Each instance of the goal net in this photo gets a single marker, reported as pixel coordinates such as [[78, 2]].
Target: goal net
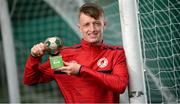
[[160, 37], [159, 20]]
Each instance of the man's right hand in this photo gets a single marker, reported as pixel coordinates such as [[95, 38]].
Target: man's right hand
[[38, 50]]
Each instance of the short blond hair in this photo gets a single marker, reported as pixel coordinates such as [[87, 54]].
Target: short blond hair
[[92, 10]]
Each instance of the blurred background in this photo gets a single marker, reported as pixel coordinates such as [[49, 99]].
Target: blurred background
[[35, 20]]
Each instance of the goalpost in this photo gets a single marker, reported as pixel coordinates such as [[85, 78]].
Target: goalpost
[[9, 51], [132, 46]]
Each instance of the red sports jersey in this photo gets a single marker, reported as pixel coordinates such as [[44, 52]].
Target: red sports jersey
[[102, 77]]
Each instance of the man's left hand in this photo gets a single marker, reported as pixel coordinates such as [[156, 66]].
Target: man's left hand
[[70, 68]]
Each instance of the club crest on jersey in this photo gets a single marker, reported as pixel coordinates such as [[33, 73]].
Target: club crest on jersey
[[102, 62]]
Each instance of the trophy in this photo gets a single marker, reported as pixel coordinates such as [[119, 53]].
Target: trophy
[[53, 45]]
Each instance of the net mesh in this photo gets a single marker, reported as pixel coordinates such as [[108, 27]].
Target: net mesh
[[35, 20], [160, 27]]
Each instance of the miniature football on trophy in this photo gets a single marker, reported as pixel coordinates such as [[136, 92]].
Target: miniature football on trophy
[[53, 45]]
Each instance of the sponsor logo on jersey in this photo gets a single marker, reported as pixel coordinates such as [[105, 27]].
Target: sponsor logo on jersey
[[102, 62]]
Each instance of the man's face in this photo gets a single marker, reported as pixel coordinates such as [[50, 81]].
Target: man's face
[[91, 29]]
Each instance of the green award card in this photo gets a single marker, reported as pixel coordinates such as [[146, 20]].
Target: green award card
[[56, 62]]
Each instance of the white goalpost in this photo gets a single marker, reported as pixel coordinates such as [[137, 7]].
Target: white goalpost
[[9, 52], [132, 46]]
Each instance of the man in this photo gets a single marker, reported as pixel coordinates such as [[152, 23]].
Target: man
[[93, 71]]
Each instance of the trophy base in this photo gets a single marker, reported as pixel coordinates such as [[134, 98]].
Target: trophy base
[[56, 62]]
